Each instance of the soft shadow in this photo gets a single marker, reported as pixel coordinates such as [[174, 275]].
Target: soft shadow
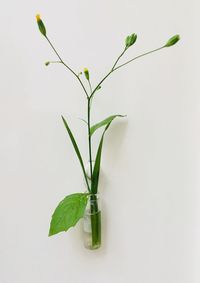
[[114, 140], [112, 146]]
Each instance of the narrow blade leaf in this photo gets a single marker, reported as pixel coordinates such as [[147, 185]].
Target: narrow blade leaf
[[68, 213], [76, 150], [103, 123], [96, 170]]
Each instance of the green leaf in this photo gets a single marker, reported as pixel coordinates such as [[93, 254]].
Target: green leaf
[[96, 170], [76, 150], [103, 123], [68, 213]]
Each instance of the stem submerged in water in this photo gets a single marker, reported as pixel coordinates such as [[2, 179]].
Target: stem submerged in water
[[95, 222], [95, 213], [92, 223]]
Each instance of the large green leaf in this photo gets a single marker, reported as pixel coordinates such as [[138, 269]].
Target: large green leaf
[[96, 170], [68, 213], [103, 123], [76, 150]]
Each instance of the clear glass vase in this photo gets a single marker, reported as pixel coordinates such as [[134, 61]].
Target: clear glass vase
[[92, 223]]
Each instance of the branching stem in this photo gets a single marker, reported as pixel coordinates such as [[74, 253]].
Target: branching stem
[[89, 135], [114, 68], [139, 56], [92, 92], [70, 69]]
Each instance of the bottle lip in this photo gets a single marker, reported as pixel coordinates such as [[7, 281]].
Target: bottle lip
[[92, 200], [90, 194], [95, 203], [96, 195]]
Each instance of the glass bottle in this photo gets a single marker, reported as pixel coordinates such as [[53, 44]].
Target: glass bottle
[[92, 223]]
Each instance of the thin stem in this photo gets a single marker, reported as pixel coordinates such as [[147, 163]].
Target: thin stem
[[90, 93], [112, 69], [89, 137], [116, 68], [77, 76], [119, 58], [61, 61], [83, 120], [100, 84], [90, 86], [139, 56], [55, 62]]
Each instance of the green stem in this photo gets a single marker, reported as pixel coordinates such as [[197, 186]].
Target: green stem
[[95, 216], [55, 62], [112, 70], [139, 56], [90, 86], [89, 136], [70, 69], [116, 68], [118, 58], [77, 76], [100, 83]]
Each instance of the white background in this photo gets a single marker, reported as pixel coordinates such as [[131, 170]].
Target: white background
[[149, 185]]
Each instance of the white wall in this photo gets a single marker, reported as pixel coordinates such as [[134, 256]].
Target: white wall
[[150, 160]]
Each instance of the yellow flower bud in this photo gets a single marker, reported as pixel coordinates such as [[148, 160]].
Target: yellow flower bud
[[41, 25], [38, 17]]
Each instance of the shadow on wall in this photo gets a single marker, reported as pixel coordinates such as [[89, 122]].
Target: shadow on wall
[[115, 140]]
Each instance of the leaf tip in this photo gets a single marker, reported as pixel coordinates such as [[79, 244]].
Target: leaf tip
[[50, 232], [63, 119]]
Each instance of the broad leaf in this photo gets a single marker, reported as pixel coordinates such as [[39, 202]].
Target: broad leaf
[[68, 213], [96, 170], [76, 149], [103, 123]]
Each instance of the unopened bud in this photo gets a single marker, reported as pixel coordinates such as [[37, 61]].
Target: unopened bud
[[86, 72], [130, 40], [173, 40], [41, 25]]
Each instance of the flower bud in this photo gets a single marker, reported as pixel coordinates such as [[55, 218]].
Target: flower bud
[[173, 40], [86, 72], [130, 40], [41, 25]]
